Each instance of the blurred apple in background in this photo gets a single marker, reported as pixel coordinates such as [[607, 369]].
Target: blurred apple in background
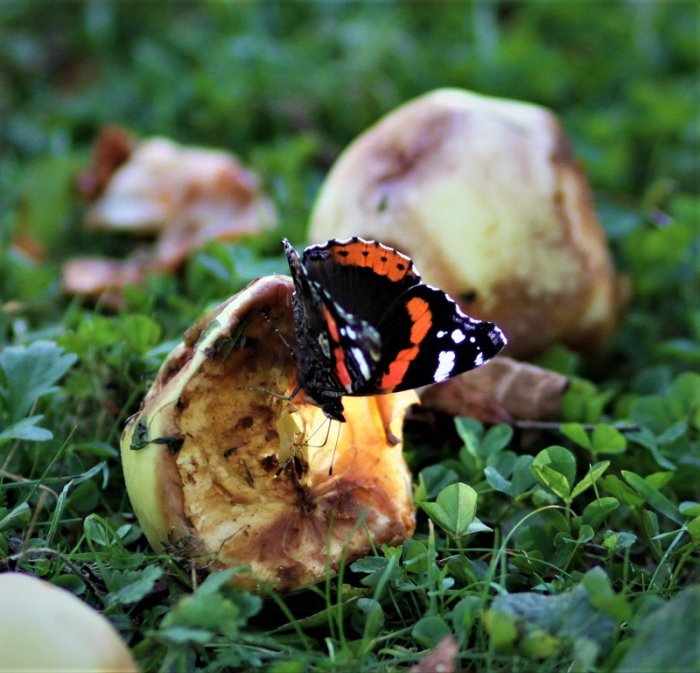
[[484, 195]]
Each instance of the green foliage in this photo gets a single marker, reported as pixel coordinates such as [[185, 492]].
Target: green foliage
[[454, 510], [208, 612], [665, 638], [28, 373], [575, 548], [583, 619]]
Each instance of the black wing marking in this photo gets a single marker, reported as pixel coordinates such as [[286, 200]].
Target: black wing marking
[[363, 277], [428, 339]]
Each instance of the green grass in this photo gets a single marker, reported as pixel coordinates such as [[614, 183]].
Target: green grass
[[576, 550]]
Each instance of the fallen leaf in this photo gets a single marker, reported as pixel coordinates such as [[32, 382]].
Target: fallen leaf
[[185, 196], [501, 391]]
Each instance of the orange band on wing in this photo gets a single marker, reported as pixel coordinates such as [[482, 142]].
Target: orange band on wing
[[382, 260], [398, 368], [331, 325], [422, 316], [340, 369]]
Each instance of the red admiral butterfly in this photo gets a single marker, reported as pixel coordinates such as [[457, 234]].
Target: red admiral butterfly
[[366, 325]]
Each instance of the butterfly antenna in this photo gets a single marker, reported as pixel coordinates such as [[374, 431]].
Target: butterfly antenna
[[325, 439]]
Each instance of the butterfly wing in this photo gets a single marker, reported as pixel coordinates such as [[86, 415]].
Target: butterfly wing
[[355, 346], [426, 339], [363, 277], [358, 282]]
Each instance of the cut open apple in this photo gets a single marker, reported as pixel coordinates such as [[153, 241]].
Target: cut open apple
[[220, 462]]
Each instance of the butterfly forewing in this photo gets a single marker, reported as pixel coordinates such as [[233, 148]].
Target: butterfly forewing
[[426, 339]]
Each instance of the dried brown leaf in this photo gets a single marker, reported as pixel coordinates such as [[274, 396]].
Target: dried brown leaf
[[111, 149], [185, 196], [501, 391]]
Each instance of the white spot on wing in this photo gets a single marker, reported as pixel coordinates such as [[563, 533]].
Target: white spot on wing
[[479, 359], [457, 336], [446, 363], [441, 334], [359, 357]]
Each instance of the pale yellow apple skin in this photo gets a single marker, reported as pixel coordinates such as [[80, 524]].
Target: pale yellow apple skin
[[45, 629], [485, 197], [226, 496]]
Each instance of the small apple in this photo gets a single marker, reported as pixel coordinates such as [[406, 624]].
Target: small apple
[[46, 628]]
